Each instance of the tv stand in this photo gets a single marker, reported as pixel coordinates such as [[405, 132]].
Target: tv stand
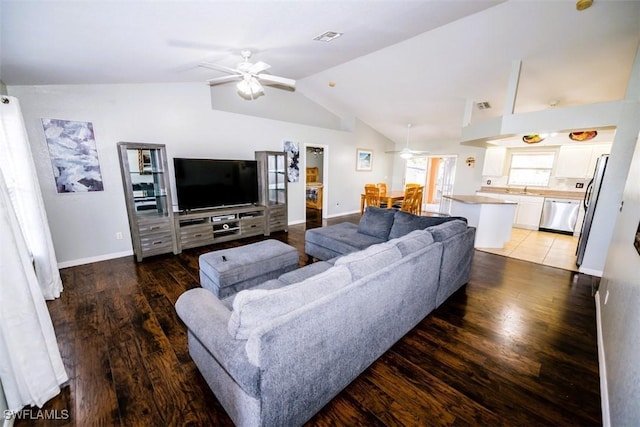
[[209, 226]]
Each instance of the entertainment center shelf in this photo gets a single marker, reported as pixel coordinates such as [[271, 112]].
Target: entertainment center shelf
[[251, 195], [205, 227]]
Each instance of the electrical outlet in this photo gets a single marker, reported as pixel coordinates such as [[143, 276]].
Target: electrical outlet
[[119, 235], [579, 184]]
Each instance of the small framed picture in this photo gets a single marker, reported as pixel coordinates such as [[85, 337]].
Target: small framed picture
[[364, 159]]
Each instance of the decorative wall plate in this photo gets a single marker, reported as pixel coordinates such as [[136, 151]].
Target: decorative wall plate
[[532, 139], [583, 135]]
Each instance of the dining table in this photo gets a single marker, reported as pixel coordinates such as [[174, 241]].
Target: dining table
[[391, 197]]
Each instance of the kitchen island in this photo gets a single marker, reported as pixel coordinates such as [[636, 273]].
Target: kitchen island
[[491, 217]]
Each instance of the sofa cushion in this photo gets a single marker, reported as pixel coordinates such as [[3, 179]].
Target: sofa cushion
[[342, 238], [404, 223], [254, 307], [372, 259], [376, 222], [443, 231], [412, 242]]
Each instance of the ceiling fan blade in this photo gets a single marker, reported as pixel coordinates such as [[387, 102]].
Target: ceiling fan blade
[[259, 67], [276, 80], [219, 67], [223, 79]]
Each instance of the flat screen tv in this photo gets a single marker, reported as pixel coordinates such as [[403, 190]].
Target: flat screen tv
[[213, 183]]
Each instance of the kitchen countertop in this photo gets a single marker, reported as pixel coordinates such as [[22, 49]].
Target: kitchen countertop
[[478, 200], [576, 195]]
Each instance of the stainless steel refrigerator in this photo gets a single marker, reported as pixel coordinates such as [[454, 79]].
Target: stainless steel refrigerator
[[590, 202]]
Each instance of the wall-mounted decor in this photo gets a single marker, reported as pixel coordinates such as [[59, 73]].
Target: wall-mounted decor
[[293, 160], [636, 241], [72, 149], [364, 159]]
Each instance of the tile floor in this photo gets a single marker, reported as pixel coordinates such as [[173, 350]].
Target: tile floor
[[552, 249]]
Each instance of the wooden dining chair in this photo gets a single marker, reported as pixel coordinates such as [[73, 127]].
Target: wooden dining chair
[[371, 196], [417, 201], [383, 193], [407, 202]]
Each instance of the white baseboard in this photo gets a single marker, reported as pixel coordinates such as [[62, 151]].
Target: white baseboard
[[343, 214], [98, 258], [602, 367]]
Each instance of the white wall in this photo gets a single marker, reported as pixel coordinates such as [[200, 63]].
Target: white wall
[[620, 315], [178, 115], [468, 179]]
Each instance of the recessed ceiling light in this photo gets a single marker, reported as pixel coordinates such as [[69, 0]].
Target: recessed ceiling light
[[327, 36]]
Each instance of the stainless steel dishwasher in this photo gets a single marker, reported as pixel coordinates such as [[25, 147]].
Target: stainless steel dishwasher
[[559, 215]]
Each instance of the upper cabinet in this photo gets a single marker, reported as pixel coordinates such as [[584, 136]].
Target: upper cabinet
[[148, 198], [494, 159], [579, 161]]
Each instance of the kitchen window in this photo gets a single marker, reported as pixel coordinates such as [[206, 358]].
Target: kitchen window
[[532, 169]]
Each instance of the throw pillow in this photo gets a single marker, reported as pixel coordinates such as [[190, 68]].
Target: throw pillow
[[412, 242], [255, 307], [443, 231], [405, 222], [376, 222], [367, 261]]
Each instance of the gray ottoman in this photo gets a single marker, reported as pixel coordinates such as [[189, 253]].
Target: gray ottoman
[[228, 271]]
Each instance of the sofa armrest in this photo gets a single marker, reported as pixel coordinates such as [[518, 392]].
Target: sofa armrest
[[207, 319]]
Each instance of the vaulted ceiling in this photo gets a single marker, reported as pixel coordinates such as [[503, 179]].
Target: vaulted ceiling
[[397, 62]]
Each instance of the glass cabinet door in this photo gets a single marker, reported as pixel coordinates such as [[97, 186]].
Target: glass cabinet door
[[276, 174], [148, 182]]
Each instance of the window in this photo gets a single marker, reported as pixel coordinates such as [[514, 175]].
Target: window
[[531, 169]]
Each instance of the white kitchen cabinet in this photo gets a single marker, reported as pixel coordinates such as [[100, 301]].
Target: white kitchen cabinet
[[529, 212], [494, 159], [579, 161], [596, 151], [573, 162]]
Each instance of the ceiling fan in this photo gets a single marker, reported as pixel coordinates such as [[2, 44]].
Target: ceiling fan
[[406, 152], [251, 76]]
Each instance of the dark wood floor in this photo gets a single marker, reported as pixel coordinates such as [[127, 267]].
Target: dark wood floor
[[515, 346]]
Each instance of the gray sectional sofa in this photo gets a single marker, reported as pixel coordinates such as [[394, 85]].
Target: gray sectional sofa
[[275, 354]]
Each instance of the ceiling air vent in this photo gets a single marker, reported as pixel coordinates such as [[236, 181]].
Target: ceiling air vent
[[483, 105], [327, 36]]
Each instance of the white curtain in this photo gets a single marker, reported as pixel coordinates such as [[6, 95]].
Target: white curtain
[[16, 163], [31, 368]]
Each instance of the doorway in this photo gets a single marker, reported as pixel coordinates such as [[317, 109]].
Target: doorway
[[437, 174], [316, 170]]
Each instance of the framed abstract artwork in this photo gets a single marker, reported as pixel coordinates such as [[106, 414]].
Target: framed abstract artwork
[[364, 159], [74, 157], [293, 160]]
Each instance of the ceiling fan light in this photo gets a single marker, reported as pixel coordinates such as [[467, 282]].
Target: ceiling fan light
[[405, 154], [249, 87]]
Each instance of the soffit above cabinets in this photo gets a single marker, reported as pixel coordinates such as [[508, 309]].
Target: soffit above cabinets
[[604, 136]]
